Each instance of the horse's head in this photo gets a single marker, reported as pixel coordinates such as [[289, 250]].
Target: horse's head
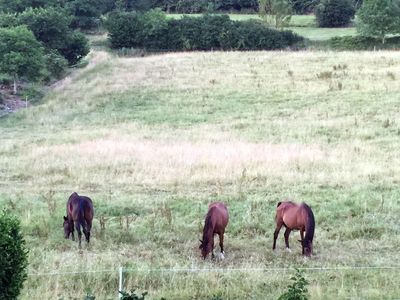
[[307, 247], [205, 248], [68, 226]]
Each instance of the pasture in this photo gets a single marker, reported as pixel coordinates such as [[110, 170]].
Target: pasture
[[152, 140]]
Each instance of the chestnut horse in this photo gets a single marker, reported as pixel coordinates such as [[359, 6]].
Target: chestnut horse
[[295, 216], [79, 213], [216, 220]]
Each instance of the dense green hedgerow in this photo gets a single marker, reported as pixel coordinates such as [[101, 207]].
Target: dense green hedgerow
[[153, 31], [363, 43]]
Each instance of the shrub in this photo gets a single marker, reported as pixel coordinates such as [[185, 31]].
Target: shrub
[[334, 13], [13, 258], [298, 289], [75, 48], [86, 13], [303, 6], [153, 31], [363, 43], [56, 65]]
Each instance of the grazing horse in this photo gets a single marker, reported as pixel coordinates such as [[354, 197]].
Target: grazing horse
[[295, 216], [216, 220], [79, 213]]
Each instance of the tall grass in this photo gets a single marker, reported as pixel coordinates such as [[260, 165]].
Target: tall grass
[[152, 140]]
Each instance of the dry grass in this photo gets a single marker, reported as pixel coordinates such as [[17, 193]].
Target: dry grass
[[154, 139]]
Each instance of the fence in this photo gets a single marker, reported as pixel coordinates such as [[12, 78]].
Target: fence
[[121, 271]]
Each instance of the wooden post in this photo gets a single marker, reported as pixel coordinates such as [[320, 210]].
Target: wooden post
[[121, 282]]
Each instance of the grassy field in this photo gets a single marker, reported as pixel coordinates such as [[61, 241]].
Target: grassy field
[[154, 139], [304, 25]]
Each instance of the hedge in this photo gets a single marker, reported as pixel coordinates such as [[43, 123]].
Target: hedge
[[153, 31], [363, 43]]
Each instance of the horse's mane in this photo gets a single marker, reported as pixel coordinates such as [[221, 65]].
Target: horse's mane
[[208, 226], [310, 224]]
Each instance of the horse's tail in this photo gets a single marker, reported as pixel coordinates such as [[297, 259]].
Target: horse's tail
[[310, 226]]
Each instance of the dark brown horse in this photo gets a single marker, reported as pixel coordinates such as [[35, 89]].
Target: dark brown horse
[[79, 213], [295, 216], [216, 220]]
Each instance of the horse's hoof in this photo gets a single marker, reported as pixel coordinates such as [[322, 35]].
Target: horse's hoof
[[221, 256], [289, 250]]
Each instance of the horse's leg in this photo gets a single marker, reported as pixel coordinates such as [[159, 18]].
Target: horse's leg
[[72, 231], [221, 242], [287, 232], [276, 233], [302, 239], [78, 229], [87, 228]]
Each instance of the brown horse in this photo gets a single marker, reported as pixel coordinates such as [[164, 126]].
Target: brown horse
[[295, 216], [79, 213], [216, 220]]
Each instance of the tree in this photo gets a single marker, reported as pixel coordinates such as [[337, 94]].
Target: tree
[[86, 13], [13, 258], [303, 6], [21, 53], [17, 6], [275, 12], [50, 25], [378, 18], [334, 13]]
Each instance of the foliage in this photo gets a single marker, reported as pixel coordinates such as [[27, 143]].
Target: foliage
[[17, 6], [363, 43], [8, 20], [50, 25], [75, 48], [275, 12], [154, 32], [22, 54], [298, 289], [56, 65], [378, 18], [303, 6], [334, 13], [13, 258], [132, 295], [86, 13]]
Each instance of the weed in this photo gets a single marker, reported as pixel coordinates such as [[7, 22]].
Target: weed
[[298, 289]]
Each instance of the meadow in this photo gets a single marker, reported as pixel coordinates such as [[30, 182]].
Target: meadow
[[152, 140]]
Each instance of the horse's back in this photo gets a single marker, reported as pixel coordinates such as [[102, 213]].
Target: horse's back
[[219, 212], [291, 214], [80, 206]]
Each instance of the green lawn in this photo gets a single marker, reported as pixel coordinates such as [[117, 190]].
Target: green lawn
[[152, 140]]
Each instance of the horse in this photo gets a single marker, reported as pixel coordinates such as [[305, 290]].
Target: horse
[[215, 223], [79, 213], [299, 217]]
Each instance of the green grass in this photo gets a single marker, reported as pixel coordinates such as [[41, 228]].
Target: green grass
[[304, 25], [152, 140]]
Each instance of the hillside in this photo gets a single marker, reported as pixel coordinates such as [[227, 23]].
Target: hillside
[[152, 140]]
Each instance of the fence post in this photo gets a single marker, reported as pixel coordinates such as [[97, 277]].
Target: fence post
[[121, 282]]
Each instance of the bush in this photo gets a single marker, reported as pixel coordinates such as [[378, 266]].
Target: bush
[[363, 43], [56, 65], [153, 31], [13, 258], [86, 13], [75, 48], [303, 6], [334, 13], [298, 289]]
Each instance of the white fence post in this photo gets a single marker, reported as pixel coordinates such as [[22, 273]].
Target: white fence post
[[121, 282]]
